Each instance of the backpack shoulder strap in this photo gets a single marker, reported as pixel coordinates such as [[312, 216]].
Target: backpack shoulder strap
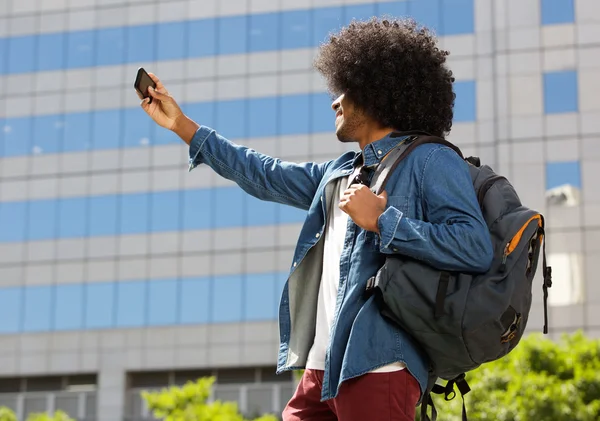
[[389, 164]]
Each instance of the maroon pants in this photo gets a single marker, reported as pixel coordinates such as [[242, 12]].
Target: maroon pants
[[371, 397]]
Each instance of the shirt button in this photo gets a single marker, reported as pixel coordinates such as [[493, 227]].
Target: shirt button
[[379, 152], [395, 249], [294, 264], [318, 235]]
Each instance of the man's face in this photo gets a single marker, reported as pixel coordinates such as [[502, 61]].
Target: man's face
[[348, 119]]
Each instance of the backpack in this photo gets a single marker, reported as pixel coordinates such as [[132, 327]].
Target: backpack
[[463, 320]]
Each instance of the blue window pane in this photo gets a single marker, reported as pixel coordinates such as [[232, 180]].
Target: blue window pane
[[458, 17], [281, 281], [229, 207], [3, 53], [198, 209], [264, 32], [202, 38], [171, 40], [131, 300], [77, 132], [227, 299], [323, 117], [290, 215], [295, 29], [359, 12], [162, 302], [165, 211], [325, 21], [103, 215], [162, 136], [110, 46], [50, 52], [263, 114], [37, 314], [138, 39], [13, 221], [557, 11], [134, 213], [138, 127], [195, 300], [425, 12], [21, 54], [259, 296], [201, 110], [294, 114], [17, 136], [560, 92], [80, 49], [11, 300], [231, 118], [47, 133], [559, 173], [42, 218], [465, 107], [72, 217], [68, 307], [106, 129], [232, 35], [260, 212], [99, 305], [392, 9]]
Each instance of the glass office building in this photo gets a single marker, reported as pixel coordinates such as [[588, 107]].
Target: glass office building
[[120, 271]]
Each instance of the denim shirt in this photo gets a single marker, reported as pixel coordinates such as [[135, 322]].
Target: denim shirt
[[432, 214]]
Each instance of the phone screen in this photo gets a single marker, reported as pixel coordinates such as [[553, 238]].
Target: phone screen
[[142, 82]]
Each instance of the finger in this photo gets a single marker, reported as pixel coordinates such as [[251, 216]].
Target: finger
[[139, 95], [384, 195], [145, 103], [159, 84], [160, 96]]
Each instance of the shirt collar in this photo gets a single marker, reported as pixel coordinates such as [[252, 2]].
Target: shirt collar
[[374, 152]]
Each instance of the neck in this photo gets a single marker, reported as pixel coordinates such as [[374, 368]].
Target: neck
[[372, 134]]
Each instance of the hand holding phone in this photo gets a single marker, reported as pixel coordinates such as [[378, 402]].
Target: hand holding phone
[[142, 82], [164, 110]]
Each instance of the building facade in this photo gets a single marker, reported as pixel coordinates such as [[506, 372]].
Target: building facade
[[120, 271]]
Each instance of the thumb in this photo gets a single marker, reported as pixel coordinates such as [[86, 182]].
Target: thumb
[[384, 196]]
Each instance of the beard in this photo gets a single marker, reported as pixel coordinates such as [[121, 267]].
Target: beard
[[348, 129]]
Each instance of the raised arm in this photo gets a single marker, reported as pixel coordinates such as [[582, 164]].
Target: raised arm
[[259, 175]]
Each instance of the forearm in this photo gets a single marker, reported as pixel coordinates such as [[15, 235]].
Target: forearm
[[185, 128], [261, 176]]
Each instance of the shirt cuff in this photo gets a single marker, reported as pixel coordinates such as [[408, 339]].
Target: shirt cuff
[[388, 223], [196, 146]]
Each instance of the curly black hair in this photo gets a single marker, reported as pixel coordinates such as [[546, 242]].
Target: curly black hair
[[393, 70]]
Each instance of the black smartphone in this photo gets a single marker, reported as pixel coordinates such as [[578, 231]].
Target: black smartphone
[[142, 82]]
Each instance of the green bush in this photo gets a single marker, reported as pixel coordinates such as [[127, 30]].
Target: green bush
[[189, 403], [7, 414], [539, 380]]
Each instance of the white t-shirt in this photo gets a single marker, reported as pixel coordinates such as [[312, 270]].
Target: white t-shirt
[[335, 234]]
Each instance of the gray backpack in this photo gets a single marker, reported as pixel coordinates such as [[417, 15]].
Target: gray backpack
[[462, 320]]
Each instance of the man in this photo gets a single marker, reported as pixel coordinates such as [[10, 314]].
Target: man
[[390, 77]]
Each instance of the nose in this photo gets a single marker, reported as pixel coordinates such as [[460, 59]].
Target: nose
[[336, 104]]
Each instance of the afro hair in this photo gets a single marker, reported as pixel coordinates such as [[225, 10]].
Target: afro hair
[[394, 71]]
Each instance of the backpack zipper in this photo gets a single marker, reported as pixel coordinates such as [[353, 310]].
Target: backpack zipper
[[504, 257], [512, 244]]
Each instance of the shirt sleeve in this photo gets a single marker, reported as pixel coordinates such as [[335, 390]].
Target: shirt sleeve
[[454, 235], [259, 175]]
